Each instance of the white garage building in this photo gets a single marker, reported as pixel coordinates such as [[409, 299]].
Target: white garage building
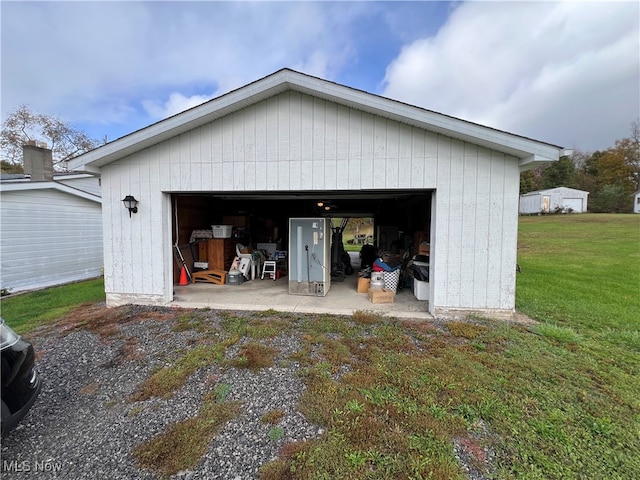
[[268, 151], [559, 199]]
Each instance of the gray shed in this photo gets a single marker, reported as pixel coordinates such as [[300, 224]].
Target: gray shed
[[559, 199]]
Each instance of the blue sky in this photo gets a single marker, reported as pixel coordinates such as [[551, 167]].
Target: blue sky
[[566, 73]]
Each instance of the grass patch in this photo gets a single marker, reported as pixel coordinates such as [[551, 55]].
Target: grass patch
[[193, 320], [28, 311], [183, 444], [555, 332], [167, 380], [233, 325], [366, 317], [276, 433], [580, 270], [272, 416], [254, 356], [466, 330]]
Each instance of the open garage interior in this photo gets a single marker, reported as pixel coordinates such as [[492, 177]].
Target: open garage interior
[[392, 224]]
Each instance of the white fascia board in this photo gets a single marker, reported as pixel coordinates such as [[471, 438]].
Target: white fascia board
[[89, 169], [16, 187], [533, 161]]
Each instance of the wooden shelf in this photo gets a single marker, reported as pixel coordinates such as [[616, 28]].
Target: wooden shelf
[[218, 252]]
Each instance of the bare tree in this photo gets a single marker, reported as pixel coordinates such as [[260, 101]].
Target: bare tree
[[23, 125], [634, 151]]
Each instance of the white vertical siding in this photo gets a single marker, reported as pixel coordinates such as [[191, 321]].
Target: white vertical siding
[[509, 233], [137, 247], [531, 203], [481, 210], [367, 169], [456, 218], [295, 142], [471, 257], [48, 237], [474, 250]]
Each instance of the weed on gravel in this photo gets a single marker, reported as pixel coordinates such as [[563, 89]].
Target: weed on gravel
[[183, 444]]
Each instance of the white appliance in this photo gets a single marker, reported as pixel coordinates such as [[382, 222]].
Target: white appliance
[[309, 256]]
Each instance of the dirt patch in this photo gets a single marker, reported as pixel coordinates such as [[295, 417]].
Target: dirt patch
[[105, 321]]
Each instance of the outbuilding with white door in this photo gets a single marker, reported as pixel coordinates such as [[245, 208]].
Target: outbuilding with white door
[[554, 200]]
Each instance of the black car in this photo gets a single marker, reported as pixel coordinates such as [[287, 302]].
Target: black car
[[20, 380]]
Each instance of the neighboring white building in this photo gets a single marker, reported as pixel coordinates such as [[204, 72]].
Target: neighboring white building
[[271, 149], [50, 232], [636, 202], [568, 200]]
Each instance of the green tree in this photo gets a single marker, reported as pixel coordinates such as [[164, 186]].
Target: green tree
[[559, 174], [531, 180], [614, 168], [632, 147], [6, 167], [611, 199], [614, 181]]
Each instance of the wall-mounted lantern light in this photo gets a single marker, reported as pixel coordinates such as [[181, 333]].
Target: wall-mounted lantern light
[[131, 204]]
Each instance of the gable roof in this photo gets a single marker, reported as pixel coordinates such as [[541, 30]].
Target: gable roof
[[24, 186], [529, 152]]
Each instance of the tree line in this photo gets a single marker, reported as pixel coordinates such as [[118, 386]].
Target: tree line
[[611, 176]]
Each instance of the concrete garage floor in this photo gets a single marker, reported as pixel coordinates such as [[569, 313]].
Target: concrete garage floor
[[256, 295]]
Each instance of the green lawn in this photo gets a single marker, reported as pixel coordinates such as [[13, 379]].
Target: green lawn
[[581, 270], [27, 311]]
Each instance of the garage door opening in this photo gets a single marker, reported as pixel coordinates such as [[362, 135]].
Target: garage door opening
[[397, 223]]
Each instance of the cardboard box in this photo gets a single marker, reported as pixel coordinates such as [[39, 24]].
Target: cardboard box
[[381, 295], [363, 284]]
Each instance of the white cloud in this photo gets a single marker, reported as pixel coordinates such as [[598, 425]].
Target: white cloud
[[560, 72], [81, 56], [175, 104]]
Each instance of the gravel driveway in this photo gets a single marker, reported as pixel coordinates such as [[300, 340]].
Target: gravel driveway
[[84, 424]]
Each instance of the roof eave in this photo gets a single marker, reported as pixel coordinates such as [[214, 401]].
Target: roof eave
[[50, 185]]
